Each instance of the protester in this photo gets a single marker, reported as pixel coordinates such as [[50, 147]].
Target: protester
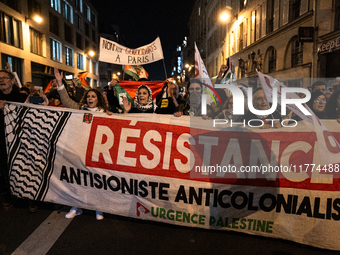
[[25, 90], [319, 86], [54, 98], [333, 106], [317, 104], [30, 86], [227, 111], [166, 101], [8, 92], [260, 103], [92, 100], [192, 99], [143, 102], [112, 96]]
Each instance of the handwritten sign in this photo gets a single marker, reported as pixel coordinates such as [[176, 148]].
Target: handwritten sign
[[112, 52]]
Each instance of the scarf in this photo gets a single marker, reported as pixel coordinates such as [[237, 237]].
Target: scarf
[[94, 109], [144, 107]]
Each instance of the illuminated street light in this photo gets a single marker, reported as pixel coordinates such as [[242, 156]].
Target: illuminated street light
[[37, 19], [118, 73], [224, 16], [91, 53]]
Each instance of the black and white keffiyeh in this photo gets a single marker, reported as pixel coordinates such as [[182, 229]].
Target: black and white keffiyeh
[[144, 107]]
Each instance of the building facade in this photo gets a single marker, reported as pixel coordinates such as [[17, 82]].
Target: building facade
[[264, 35], [65, 39], [106, 70]]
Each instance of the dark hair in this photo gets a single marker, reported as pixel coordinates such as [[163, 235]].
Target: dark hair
[[10, 75], [101, 101], [310, 103], [191, 81], [257, 89], [317, 83], [332, 105], [143, 87], [27, 90]]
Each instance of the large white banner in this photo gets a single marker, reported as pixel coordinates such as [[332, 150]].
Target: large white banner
[[260, 182], [112, 52]]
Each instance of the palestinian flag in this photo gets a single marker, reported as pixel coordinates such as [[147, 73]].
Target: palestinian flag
[[82, 78], [48, 87], [132, 86], [137, 72], [227, 73]]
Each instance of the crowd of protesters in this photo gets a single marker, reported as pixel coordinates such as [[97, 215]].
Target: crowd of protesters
[[113, 99]]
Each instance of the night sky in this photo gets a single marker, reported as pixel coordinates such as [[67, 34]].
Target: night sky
[[142, 21]]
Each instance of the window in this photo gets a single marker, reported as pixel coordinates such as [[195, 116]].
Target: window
[[270, 16], [78, 21], [34, 8], [87, 12], [36, 42], [68, 56], [55, 4], [14, 4], [271, 60], [15, 63], [10, 32], [87, 29], [68, 11], [87, 44], [55, 50], [94, 37], [240, 47], [252, 28], [79, 41], [87, 68], [294, 9], [95, 68], [54, 24], [295, 83], [79, 5], [93, 19], [242, 4], [68, 33], [297, 53], [80, 63]]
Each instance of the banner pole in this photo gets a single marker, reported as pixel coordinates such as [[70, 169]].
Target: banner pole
[[166, 75]]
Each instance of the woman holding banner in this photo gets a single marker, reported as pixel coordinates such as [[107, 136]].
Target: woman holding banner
[[92, 100]]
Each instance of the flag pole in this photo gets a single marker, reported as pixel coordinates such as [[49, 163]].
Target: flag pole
[[166, 75]]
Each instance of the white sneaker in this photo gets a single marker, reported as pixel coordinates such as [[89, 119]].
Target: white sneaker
[[99, 215], [73, 212]]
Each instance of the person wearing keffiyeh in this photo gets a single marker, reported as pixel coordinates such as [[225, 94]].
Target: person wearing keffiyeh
[[143, 102]]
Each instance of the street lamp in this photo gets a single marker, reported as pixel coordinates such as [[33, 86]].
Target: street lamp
[[91, 53], [36, 18]]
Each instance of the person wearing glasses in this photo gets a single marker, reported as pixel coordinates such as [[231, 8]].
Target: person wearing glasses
[[317, 104], [8, 92], [260, 103]]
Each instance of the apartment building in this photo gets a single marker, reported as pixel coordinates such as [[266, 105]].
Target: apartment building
[[291, 39], [66, 37]]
